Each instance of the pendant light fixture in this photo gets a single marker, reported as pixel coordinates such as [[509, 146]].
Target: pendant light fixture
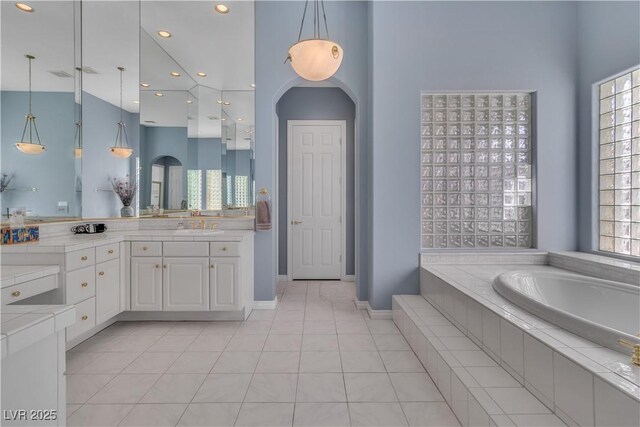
[[78, 141], [30, 147], [318, 58], [121, 148]]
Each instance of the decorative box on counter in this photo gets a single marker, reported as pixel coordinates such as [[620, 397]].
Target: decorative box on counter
[[26, 234]]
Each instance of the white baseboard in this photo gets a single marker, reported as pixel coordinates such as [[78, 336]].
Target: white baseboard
[[379, 314], [361, 305], [265, 305], [282, 278], [349, 278]]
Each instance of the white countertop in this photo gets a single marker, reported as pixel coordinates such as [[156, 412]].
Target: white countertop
[[74, 242], [15, 274], [23, 325]]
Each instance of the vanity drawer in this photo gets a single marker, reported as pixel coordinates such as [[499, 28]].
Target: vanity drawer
[[78, 259], [107, 252], [225, 249], [85, 318], [81, 284], [29, 289], [180, 249], [146, 248]]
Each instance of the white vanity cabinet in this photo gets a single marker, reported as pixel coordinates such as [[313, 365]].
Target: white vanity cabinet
[[107, 290], [225, 284], [185, 284], [146, 283]]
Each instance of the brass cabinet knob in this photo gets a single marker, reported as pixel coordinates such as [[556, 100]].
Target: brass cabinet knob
[[157, 265], [85, 317], [212, 266], [110, 251], [165, 266], [144, 248], [101, 273], [15, 293], [224, 248], [84, 258], [84, 285]]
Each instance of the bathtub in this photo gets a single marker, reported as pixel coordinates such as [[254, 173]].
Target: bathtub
[[599, 310]]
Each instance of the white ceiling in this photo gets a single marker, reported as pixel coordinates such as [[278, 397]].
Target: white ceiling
[[202, 40]]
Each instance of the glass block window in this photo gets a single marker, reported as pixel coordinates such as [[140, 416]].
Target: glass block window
[[619, 146], [242, 191], [229, 192], [476, 170], [194, 189], [214, 189]]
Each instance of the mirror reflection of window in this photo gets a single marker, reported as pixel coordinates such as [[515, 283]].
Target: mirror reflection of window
[[194, 189]]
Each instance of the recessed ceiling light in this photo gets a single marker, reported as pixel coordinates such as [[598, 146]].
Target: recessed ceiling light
[[164, 33], [219, 101], [189, 101], [240, 119], [24, 7], [226, 103], [136, 102], [222, 8], [223, 119], [145, 84], [253, 85], [201, 74], [175, 74], [159, 94]]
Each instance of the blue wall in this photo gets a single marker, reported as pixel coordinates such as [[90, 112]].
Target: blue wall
[[608, 43], [53, 172], [99, 119], [277, 25], [316, 104]]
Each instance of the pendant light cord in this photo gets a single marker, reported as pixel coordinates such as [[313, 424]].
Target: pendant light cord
[[30, 58], [121, 69], [316, 19], [304, 14]]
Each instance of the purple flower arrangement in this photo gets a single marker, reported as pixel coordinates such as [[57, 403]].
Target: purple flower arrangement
[[125, 188]]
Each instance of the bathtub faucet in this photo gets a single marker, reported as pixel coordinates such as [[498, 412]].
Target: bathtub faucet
[[635, 357]]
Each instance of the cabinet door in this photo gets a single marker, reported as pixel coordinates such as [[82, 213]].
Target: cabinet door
[[185, 284], [146, 283], [225, 284], [107, 290]]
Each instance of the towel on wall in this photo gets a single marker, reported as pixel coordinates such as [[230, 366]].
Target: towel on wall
[[263, 215]]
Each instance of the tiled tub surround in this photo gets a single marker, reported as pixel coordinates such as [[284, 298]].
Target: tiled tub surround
[[578, 380]]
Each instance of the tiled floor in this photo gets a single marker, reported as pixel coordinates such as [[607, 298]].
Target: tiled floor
[[314, 361]]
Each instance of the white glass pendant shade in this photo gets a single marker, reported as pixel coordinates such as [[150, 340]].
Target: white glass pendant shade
[[315, 59], [30, 148], [121, 152]]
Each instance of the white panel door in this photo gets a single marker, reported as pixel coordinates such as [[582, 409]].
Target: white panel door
[[185, 284], [315, 169], [107, 290], [175, 187], [146, 283]]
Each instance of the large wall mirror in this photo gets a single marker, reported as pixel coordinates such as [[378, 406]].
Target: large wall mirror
[[196, 108], [40, 57]]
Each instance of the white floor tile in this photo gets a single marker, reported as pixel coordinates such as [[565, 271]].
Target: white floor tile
[[320, 388], [362, 361], [236, 362], [154, 415], [429, 414], [207, 342], [320, 361], [265, 414], [391, 342], [194, 362], [281, 342], [81, 388], [357, 343], [415, 387], [152, 363], [246, 343], [99, 415], [223, 388], [210, 414], [319, 343], [278, 362], [516, 401], [369, 387], [109, 363], [376, 414], [321, 414], [401, 361], [272, 388], [177, 343], [125, 388], [174, 388]]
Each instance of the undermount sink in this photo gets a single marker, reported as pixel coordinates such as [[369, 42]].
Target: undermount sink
[[197, 232]]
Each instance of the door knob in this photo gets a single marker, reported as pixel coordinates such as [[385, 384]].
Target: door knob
[[296, 222]]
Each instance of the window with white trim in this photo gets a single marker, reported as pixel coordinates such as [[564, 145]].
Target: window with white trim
[[619, 148], [194, 189]]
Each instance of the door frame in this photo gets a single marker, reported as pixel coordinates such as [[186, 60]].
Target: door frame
[[343, 184]]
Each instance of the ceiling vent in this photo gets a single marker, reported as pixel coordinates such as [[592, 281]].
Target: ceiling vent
[[61, 74]]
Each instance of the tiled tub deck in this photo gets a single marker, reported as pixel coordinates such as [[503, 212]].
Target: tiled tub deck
[[496, 364]]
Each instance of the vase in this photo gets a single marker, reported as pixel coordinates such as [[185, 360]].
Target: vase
[[127, 211]]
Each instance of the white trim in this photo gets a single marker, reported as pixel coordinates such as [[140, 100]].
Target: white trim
[[349, 278], [343, 186], [361, 305], [282, 278], [379, 314], [266, 305]]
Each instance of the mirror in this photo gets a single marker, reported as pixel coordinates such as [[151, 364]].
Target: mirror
[[47, 184], [196, 107], [110, 39]]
